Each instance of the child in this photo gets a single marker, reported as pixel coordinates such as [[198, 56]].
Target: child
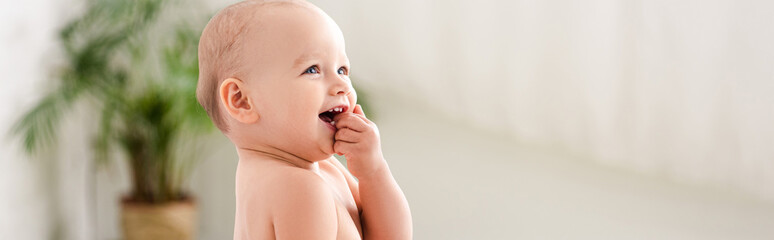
[[274, 78]]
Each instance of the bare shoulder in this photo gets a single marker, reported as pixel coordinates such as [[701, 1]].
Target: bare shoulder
[[283, 202], [301, 205]]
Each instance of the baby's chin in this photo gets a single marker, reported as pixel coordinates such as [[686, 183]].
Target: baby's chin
[[325, 151], [328, 149]]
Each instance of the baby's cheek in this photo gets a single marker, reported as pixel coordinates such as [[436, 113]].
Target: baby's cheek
[[352, 100]]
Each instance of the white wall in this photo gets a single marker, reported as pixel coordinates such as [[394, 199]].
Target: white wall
[[26, 205], [675, 88]]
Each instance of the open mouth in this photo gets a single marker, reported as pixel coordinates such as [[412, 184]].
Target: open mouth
[[329, 115]]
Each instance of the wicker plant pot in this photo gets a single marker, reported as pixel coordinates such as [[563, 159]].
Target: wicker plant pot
[[143, 221]]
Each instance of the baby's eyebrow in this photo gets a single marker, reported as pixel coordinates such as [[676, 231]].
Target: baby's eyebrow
[[303, 59]]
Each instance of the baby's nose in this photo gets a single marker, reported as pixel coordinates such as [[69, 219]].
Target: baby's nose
[[340, 89]]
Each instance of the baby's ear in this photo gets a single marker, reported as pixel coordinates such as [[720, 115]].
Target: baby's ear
[[236, 101]]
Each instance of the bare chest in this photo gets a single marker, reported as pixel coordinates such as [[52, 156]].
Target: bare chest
[[349, 226]]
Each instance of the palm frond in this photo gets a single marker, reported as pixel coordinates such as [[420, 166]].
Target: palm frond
[[145, 100]]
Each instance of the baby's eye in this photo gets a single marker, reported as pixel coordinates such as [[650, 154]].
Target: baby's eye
[[312, 70], [342, 70]]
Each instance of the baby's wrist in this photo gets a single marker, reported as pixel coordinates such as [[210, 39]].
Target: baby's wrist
[[377, 172]]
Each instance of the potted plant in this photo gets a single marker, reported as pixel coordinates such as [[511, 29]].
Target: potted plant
[[139, 77]]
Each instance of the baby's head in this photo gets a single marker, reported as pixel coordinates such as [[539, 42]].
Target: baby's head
[[270, 72]]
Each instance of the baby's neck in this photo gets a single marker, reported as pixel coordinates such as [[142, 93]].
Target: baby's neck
[[274, 154]]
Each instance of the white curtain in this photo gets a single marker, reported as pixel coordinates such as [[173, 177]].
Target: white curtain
[[677, 88]]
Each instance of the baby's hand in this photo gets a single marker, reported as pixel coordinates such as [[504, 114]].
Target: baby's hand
[[357, 138]]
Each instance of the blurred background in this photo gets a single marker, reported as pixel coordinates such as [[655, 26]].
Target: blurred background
[[501, 119]]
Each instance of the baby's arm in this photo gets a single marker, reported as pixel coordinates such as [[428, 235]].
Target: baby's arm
[[385, 211], [303, 208]]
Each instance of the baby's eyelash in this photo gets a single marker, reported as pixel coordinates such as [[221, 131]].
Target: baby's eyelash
[[343, 70], [312, 70]]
